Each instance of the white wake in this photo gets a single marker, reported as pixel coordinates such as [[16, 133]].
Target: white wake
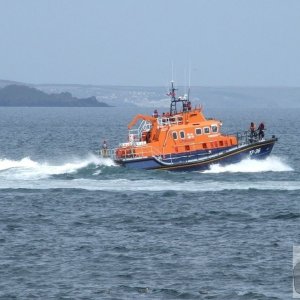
[[270, 164], [29, 174], [27, 169]]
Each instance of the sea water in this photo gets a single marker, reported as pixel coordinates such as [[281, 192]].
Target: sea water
[[77, 226]]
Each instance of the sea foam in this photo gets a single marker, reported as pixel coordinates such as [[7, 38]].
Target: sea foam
[[270, 164], [28, 169], [29, 174]]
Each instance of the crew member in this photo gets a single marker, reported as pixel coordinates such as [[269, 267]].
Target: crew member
[[189, 106], [261, 129], [155, 114], [104, 149], [252, 128]]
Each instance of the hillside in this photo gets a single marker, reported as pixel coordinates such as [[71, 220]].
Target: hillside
[[20, 95], [155, 97], [210, 97]]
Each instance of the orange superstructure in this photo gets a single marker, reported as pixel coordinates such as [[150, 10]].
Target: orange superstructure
[[174, 133]]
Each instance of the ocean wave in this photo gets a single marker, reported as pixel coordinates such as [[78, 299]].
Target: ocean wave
[[28, 169], [121, 185], [270, 164], [29, 174]]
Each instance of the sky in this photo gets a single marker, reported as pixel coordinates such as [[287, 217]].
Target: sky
[[136, 42]]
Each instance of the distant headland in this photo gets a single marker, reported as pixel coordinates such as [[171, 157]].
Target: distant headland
[[84, 95], [25, 96]]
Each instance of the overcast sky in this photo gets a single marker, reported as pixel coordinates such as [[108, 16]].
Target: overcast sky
[[134, 42]]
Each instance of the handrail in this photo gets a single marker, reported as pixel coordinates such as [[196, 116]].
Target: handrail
[[107, 153], [136, 134], [169, 120], [247, 137], [142, 117]]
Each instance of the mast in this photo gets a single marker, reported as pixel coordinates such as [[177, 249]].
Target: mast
[[173, 108], [174, 101]]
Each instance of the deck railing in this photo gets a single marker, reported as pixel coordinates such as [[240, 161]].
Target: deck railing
[[171, 120], [136, 134], [247, 137]]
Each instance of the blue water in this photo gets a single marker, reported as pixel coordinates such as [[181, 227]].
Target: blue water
[[75, 226]]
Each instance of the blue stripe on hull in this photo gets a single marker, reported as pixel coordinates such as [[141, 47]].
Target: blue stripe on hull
[[184, 157], [183, 163]]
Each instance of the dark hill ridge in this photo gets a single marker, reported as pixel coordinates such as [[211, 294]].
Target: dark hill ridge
[[20, 95]]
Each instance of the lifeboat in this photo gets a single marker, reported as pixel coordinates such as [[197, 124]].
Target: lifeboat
[[184, 139]]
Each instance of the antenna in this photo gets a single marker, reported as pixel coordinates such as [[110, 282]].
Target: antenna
[[185, 80], [172, 71], [189, 80]]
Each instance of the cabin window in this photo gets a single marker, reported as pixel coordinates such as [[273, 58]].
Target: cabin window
[[174, 134], [214, 128], [164, 121], [221, 143], [182, 134], [206, 129], [204, 145], [198, 131]]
